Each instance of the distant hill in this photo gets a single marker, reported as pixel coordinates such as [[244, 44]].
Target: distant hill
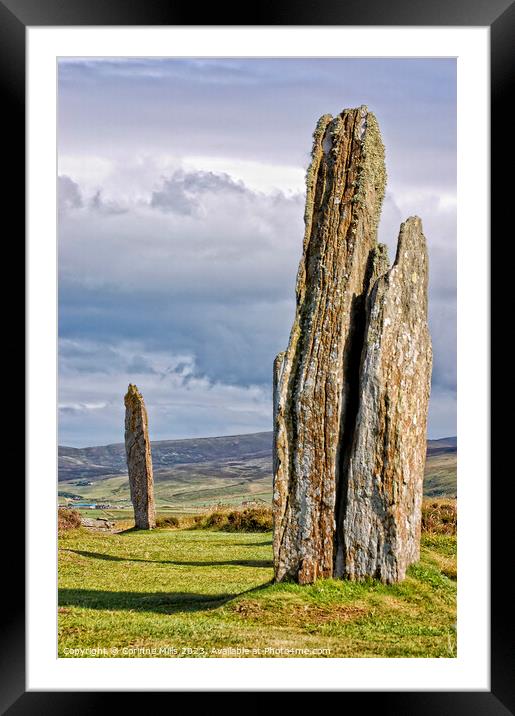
[[203, 471], [442, 443], [96, 462]]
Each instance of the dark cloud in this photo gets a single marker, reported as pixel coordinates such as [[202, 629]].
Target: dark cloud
[[180, 400], [105, 207], [181, 192]]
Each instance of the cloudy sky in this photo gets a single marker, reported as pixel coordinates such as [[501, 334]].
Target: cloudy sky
[[181, 196]]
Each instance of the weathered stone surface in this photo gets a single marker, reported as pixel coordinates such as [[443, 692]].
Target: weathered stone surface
[[315, 378], [139, 459], [340, 359], [97, 524], [382, 502]]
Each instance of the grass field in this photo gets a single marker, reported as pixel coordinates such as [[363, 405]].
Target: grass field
[[201, 593], [190, 488], [189, 494], [440, 478]]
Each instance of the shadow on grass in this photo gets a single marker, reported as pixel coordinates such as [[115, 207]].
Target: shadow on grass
[[158, 602], [224, 563], [135, 530], [228, 562]]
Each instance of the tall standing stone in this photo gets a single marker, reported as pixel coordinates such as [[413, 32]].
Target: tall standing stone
[[326, 442], [315, 379], [139, 459]]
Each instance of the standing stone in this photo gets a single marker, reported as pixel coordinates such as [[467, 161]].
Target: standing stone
[[342, 363], [380, 535], [139, 459], [315, 379]]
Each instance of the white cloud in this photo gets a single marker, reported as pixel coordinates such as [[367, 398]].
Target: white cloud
[[89, 171], [134, 177], [258, 176], [198, 233], [79, 407]]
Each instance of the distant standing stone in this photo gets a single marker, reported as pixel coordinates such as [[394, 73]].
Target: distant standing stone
[[139, 459]]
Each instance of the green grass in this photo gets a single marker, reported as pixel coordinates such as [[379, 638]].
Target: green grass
[[440, 476], [197, 593]]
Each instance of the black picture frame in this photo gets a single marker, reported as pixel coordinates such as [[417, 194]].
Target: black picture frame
[[499, 16]]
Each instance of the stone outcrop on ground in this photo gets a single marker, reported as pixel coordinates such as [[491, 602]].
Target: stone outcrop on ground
[[351, 390], [139, 459], [98, 524]]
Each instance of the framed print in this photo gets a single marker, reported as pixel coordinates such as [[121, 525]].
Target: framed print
[[242, 470]]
